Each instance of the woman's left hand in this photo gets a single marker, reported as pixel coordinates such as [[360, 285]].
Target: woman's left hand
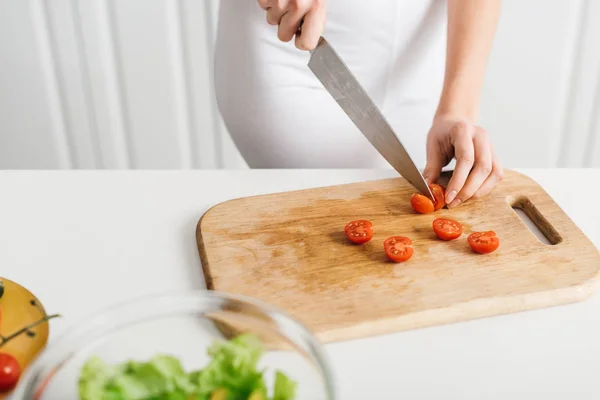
[[477, 170]]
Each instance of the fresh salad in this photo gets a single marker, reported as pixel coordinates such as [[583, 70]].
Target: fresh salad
[[231, 374]]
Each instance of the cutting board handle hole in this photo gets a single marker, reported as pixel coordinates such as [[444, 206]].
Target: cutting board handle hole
[[535, 221]]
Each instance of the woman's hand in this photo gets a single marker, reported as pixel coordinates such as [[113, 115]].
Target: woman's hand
[[471, 29], [477, 170], [289, 14]]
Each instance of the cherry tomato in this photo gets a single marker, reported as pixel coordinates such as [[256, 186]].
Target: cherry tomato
[[359, 231], [398, 248], [439, 193], [447, 229], [9, 372], [483, 242], [423, 204]]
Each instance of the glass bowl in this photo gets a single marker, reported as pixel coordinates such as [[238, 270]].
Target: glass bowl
[[184, 326]]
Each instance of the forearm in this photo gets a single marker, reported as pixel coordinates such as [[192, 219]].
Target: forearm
[[471, 29]]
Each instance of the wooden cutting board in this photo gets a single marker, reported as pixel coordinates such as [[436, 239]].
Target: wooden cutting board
[[289, 249]]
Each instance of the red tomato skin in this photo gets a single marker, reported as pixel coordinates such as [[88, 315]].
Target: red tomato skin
[[405, 242], [446, 234], [421, 204], [363, 234], [9, 372], [491, 244], [439, 193]]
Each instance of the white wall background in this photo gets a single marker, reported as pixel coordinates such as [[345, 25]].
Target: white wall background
[[127, 84]]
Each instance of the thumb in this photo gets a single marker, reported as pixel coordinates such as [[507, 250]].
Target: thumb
[[435, 163]]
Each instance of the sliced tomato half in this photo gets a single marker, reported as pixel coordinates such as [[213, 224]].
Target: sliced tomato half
[[359, 231], [423, 204], [483, 242], [398, 248], [447, 229], [439, 192]]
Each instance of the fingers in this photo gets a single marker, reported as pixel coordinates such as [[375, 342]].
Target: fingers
[[436, 160], [314, 23], [493, 179], [289, 15], [478, 169], [461, 137], [275, 11], [264, 4], [482, 167], [290, 22]]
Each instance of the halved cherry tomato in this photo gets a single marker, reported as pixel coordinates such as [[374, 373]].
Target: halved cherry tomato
[[359, 231], [447, 229], [398, 248], [439, 192], [9, 372], [483, 242], [423, 204]]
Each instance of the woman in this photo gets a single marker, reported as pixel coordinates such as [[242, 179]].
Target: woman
[[422, 62]]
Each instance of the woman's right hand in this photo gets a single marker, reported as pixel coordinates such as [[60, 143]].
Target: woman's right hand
[[289, 14]]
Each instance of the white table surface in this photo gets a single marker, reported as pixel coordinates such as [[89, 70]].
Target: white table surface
[[83, 240]]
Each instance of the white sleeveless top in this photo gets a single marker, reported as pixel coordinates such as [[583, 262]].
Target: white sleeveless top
[[280, 116]]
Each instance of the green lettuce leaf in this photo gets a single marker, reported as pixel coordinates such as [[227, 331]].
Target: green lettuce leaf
[[285, 388], [233, 366], [133, 380], [231, 374], [94, 377]]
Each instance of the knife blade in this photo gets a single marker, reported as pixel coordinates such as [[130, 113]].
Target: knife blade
[[347, 91]]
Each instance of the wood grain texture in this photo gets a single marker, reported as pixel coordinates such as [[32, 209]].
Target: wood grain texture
[[289, 249]]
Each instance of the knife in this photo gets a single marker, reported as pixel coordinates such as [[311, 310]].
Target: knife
[[333, 73]]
